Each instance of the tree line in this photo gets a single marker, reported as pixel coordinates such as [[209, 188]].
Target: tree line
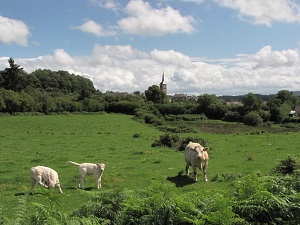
[[46, 91]]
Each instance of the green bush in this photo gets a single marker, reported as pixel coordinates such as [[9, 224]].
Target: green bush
[[232, 116], [183, 143], [287, 166], [252, 119], [255, 203], [167, 140]]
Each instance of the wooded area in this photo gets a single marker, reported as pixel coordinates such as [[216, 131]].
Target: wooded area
[[45, 91]]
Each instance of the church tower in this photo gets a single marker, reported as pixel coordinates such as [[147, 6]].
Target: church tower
[[162, 86]]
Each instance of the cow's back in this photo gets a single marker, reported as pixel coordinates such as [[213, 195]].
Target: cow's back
[[45, 172], [191, 156]]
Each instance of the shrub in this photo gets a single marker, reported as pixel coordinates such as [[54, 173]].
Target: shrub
[[287, 166], [232, 116], [257, 205], [167, 140], [252, 119], [152, 119], [136, 135], [186, 140]]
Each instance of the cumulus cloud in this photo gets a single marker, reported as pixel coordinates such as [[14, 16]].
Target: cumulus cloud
[[264, 12], [171, 58], [268, 58], [145, 20], [126, 69], [13, 31], [107, 4], [94, 28]]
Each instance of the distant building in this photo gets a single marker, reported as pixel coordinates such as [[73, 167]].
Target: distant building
[[297, 111], [162, 85], [234, 104], [180, 97]]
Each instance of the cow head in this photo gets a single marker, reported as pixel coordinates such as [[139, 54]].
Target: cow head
[[50, 183], [200, 150], [101, 166]]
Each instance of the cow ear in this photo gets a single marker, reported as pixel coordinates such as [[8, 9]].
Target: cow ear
[[106, 164], [206, 149]]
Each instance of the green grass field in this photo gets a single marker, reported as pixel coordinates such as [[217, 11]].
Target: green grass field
[[51, 141]]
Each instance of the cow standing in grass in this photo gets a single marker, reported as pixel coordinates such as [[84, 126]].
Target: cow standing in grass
[[95, 169], [45, 177], [196, 156]]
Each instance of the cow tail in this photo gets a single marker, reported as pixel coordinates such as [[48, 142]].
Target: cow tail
[[74, 163]]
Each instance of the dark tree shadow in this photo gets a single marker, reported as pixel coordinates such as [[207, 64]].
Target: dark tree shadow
[[181, 180]]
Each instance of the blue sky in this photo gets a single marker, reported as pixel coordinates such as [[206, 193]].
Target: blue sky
[[222, 47]]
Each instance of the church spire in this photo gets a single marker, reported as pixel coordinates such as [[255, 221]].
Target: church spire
[[162, 86]]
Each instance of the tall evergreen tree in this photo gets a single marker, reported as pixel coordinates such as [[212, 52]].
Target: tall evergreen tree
[[11, 76]]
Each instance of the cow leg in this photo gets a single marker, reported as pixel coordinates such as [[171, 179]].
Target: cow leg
[[187, 170], [39, 181], [204, 166], [59, 188], [195, 172], [98, 182], [33, 182], [81, 182]]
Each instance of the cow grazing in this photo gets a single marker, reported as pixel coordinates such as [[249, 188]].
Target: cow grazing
[[95, 169], [45, 177], [196, 156]]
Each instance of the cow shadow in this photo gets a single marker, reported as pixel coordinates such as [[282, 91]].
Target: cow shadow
[[77, 188], [20, 194], [181, 180]]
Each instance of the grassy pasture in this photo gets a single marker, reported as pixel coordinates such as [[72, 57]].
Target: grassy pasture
[[28, 141]]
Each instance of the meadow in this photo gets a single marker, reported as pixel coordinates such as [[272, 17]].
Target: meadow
[[125, 144]]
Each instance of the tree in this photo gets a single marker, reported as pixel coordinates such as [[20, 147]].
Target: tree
[[211, 106], [286, 96], [216, 111], [252, 119], [251, 103], [281, 104], [155, 95], [11, 76]]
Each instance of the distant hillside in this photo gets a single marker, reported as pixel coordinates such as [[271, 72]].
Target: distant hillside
[[237, 98], [296, 93]]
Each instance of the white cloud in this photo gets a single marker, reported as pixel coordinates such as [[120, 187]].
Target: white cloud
[[107, 4], [125, 69], [264, 12], [171, 58], [94, 28], [13, 31], [268, 58], [194, 1], [145, 20]]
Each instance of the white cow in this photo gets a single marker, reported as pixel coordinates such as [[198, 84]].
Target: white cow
[[45, 177], [95, 169], [196, 156]]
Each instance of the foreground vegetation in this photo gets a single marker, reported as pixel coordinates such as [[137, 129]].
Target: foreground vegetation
[[144, 184]]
